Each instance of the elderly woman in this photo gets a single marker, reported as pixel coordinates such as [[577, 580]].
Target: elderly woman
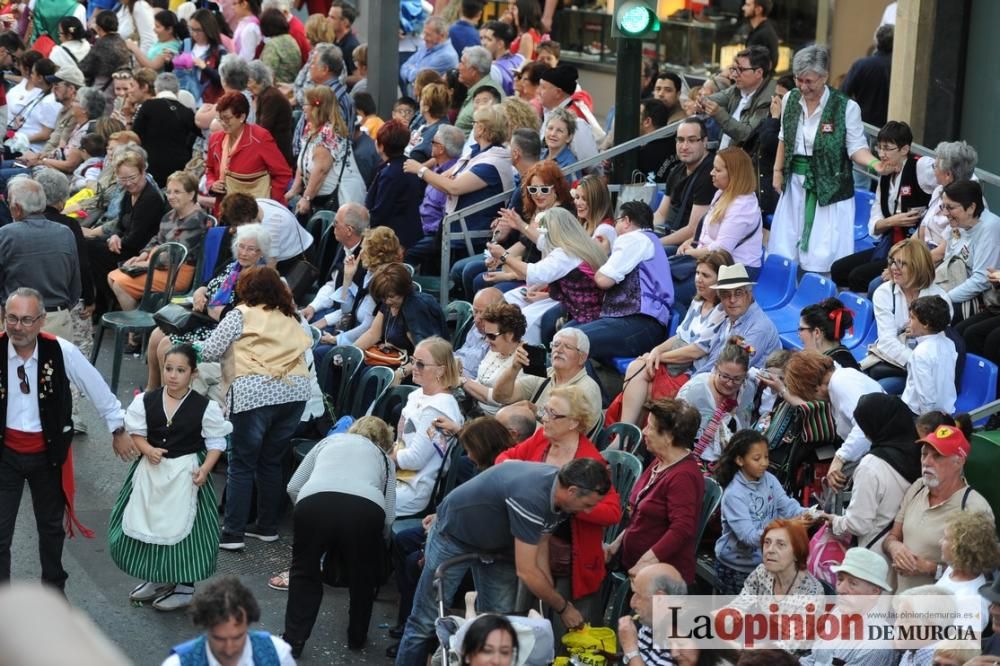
[[575, 552], [422, 448], [270, 107], [723, 398], [251, 246], [911, 275], [405, 317], [166, 127], [169, 34], [396, 192], [197, 65], [326, 175], [344, 493], [811, 376], [434, 100], [665, 503], [446, 147], [973, 257], [665, 369], [185, 223], [244, 157], [884, 473], [565, 272], [281, 52], [261, 345], [141, 210], [822, 327], [109, 54], [970, 549], [234, 75], [781, 577], [485, 173], [821, 136], [319, 31], [558, 138], [954, 161]]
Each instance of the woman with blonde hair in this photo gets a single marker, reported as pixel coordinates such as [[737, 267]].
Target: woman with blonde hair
[[593, 208], [572, 257], [421, 448], [434, 101], [970, 549], [325, 174], [520, 114]]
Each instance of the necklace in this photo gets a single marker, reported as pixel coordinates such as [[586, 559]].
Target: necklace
[[777, 582], [170, 417]]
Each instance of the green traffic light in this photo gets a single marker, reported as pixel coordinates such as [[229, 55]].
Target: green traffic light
[[635, 19]]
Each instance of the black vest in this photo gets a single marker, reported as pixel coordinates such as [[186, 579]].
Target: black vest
[[910, 194], [182, 435], [52, 389]]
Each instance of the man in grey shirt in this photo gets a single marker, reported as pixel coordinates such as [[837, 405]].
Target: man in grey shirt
[[41, 254], [509, 508]]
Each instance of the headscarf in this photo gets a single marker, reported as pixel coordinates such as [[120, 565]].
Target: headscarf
[[888, 424]]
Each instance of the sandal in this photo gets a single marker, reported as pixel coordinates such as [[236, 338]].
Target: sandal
[[279, 582]]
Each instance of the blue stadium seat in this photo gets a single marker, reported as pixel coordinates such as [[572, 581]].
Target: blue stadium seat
[[776, 283], [979, 384], [861, 350], [812, 289], [864, 318], [863, 200]]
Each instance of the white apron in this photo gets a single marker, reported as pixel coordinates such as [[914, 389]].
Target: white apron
[[164, 501]]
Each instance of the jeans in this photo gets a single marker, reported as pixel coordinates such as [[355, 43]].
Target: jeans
[[261, 438], [407, 549], [496, 588], [49, 503], [464, 271], [629, 336], [890, 378]]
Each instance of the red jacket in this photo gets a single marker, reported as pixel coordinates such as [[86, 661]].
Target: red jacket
[[587, 528], [298, 33], [255, 152]]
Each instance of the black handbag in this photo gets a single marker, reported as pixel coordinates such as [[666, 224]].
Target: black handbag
[[175, 318]]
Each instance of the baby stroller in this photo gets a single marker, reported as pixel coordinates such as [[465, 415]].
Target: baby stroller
[[536, 642]]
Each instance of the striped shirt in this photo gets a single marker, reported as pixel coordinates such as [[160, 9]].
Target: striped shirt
[[650, 654]]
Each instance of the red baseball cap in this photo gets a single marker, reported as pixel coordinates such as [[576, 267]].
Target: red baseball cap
[[948, 441]]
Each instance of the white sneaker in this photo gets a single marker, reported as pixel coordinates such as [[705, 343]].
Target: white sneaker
[[179, 598], [148, 591]]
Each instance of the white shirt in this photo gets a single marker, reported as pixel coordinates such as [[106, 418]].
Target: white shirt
[[930, 375], [43, 114], [19, 96], [246, 659], [847, 385], [809, 125], [288, 237], [892, 315], [138, 22], [22, 409], [875, 500], [555, 265], [630, 249], [966, 588], [737, 113], [78, 47]]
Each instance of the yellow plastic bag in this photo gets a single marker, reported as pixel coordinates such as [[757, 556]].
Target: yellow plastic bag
[[73, 207], [590, 645]]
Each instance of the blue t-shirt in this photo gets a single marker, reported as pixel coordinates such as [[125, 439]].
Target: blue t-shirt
[[494, 186], [462, 34]]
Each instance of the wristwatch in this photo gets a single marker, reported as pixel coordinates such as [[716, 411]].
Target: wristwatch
[[119, 430], [629, 656], [421, 172]]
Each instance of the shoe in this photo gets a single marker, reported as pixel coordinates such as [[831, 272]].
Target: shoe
[[397, 631], [177, 599], [231, 542], [264, 535], [79, 427], [392, 650], [296, 646], [149, 591], [356, 644], [279, 582]]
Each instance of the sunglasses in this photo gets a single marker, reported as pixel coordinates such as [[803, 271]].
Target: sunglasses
[[25, 388], [492, 336], [541, 189], [420, 365], [120, 76]]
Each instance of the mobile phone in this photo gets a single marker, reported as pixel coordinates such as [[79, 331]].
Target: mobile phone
[[919, 210], [536, 360], [524, 291]]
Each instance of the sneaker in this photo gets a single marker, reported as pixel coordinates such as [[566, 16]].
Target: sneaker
[[231, 542], [178, 598], [148, 591], [264, 535]]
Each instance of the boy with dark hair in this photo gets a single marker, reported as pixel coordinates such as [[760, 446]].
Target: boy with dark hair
[[930, 372], [465, 31], [94, 148], [405, 109], [549, 52]]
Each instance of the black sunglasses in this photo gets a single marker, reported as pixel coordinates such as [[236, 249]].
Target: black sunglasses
[[22, 375]]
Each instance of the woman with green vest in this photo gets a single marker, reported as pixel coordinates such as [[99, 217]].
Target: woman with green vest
[[821, 135]]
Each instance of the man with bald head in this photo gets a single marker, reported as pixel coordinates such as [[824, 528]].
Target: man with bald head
[[519, 419], [472, 351], [637, 645]]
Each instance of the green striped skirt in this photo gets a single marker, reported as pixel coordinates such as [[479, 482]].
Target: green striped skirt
[[191, 560]]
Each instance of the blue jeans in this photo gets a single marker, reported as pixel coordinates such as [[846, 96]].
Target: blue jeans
[[496, 588], [611, 337], [261, 438]]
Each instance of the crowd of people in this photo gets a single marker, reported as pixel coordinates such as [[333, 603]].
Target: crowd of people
[[133, 131]]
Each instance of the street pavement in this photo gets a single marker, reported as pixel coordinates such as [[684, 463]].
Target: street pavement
[[146, 635]]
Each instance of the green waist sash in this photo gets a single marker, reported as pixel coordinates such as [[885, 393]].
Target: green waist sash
[[800, 166]]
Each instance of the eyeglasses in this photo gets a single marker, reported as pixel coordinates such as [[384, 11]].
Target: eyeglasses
[[129, 180], [541, 189], [420, 365], [730, 294], [247, 248], [806, 82], [23, 376], [950, 206], [882, 148], [805, 328], [562, 345], [736, 68], [898, 263], [547, 414], [492, 336], [13, 320], [690, 139], [730, 378], [194, 30]]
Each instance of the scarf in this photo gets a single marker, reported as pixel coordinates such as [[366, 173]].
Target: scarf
[[224, 295], [725, 406]]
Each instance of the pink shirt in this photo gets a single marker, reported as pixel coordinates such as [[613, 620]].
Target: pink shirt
[[740, 231]]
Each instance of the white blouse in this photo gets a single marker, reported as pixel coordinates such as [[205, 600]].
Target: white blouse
[[214, 426]]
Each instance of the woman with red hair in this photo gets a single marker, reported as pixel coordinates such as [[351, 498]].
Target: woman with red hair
[[243, 157]]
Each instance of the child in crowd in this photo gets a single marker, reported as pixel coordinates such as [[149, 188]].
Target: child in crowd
[[549, 52], [930, 372], [752, 499], [405, 110], [928, 422], [367, 120], [94, 148], [164, 528]]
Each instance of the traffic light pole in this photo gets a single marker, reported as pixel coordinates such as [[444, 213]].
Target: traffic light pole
[[627, 105]]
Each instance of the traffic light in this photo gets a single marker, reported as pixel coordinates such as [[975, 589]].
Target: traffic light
[[635, 19]]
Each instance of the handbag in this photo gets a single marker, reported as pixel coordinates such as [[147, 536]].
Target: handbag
[[826, 551], [385, 354], [560, 557], [257, 185], [177, 318], [302, 275]]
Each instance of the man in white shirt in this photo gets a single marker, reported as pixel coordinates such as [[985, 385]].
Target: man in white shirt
[[35, 404], [225, 609], [740, 108], [349, 227]]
